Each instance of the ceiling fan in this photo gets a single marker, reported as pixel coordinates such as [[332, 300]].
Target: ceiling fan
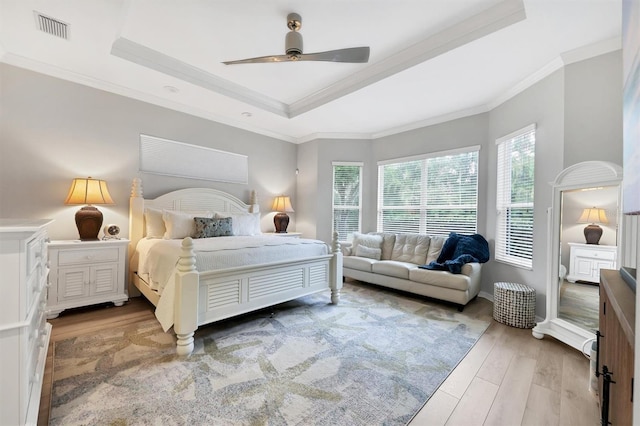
[[293, 49]]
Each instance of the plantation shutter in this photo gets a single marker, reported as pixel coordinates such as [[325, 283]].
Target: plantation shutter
[[514, 198], [347, 196], [434, 194]]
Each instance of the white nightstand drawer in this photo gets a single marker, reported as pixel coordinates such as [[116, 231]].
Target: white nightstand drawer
[[74, 257], [604, 255]]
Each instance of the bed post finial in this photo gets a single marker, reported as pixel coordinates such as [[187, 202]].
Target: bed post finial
[[187, 260], [335, 244], [136, 188], [254, 207]]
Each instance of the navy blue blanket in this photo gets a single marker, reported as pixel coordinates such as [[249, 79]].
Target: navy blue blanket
[[458, 250]]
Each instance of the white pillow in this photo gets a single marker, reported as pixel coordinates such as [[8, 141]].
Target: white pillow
[[181, 224], [154, 223], [371, 253], [243, 223], [373, 241]]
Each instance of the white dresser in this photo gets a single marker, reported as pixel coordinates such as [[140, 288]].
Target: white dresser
[[86, 273], [24, 332], [586, 260]]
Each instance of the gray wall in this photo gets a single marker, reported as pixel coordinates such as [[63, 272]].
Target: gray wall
[[593, 110], [542, 104], [578, 115], [53, 130]]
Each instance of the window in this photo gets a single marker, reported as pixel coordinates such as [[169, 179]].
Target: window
[[432, 194], [347, 199], [514, 199]]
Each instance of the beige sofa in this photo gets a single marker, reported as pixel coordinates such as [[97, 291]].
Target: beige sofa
[[392, 260]]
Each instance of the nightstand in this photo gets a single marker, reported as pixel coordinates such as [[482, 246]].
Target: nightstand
[[86, 273], [586, 260], [284, 234]]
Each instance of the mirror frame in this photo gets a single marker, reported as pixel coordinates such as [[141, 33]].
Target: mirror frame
[[587, 174]]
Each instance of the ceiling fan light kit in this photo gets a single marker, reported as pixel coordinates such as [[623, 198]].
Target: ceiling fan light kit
[[293, 49]]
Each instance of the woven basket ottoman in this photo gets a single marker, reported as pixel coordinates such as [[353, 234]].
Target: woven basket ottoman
[[514, 304]]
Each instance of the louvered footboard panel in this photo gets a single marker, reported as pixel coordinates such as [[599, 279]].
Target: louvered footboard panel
[[318, 275], [225, 293], [232, 292]]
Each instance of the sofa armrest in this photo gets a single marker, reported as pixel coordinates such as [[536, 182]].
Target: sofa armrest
[[471, 269]]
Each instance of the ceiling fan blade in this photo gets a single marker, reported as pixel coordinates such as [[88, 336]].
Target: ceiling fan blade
[[260, 60], [352, 55]]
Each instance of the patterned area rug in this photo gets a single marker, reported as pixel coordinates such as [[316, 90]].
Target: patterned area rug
[[374, 359]]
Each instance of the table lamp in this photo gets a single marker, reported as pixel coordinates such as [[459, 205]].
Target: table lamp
[[593, 216], [282, 205], [88, 191]]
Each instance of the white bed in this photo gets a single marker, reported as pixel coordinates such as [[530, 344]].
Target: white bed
[[187, 296]]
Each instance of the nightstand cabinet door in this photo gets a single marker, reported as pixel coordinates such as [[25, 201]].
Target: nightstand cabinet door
[[586, 261], [86, 273], [81, 282]]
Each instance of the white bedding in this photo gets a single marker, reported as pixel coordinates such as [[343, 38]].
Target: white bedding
[[157, 258]]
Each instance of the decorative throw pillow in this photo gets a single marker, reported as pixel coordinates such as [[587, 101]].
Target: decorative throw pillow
[[366, 240], [180, 224], [208, 227], [154, 223], [371, 253]]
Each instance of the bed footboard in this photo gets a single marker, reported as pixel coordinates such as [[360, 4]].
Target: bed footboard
[[203, 298]]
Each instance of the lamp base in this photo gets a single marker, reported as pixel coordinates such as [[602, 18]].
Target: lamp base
[[592, 233], [281, 221], [89, 222]]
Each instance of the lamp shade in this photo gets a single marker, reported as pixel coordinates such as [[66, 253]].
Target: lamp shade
[[282, 203], [88, 218], [593, 215], [88, 191]]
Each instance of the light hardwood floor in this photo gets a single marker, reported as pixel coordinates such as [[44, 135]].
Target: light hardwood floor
[[508, 378]]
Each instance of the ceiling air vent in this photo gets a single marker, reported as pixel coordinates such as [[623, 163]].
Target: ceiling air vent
[[52, 26]]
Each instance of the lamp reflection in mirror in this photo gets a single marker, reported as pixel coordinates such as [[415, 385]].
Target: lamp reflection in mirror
[[282, 205], [593, 216], [88, 191]]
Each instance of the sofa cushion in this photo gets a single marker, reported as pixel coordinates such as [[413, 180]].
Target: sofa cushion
[[393, 268], [440, 278], [358, 263], [435, 247], [411, 248], [371, 253], [388, 240]]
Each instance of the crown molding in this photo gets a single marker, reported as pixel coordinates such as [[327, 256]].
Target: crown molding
[[592, 50]]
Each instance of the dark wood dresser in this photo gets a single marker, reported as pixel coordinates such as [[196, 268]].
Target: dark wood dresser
[[616, 347]]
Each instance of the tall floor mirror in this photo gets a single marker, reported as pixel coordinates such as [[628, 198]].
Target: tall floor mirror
[[584, 226]]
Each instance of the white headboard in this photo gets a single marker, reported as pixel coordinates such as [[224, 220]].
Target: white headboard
[[192, 199]]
